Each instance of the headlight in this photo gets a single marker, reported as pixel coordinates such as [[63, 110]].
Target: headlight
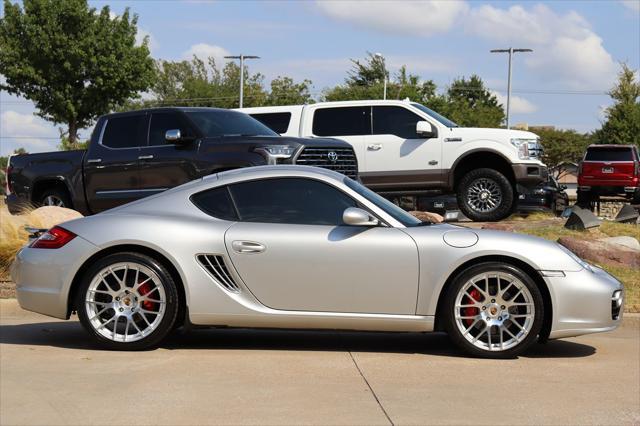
[[273, 152], [584, 264], [523, 145]]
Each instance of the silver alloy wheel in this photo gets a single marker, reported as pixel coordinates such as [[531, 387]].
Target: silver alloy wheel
[[125, 302], [53, 200], [494, 311], [484, 195]]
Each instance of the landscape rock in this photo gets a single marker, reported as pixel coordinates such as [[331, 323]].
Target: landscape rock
[[49, 216], [625, 241], [428, 216], [601, 252]]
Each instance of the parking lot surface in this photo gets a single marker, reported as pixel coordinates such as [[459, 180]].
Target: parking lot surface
[[50, 374]]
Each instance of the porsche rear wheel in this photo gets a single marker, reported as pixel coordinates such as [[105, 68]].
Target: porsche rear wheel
[[493, 310], [127, 301]]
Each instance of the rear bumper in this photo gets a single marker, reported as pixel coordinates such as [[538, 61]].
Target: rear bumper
[[583, 303], [43, 277], [608, 189]]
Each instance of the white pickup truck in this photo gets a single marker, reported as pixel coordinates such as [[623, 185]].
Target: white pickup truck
[[404, 148]]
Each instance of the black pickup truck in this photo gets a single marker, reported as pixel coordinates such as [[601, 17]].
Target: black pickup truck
[[140, 153]]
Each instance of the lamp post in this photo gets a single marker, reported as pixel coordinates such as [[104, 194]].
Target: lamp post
[[242, 58], [510, 51], [384, 93]]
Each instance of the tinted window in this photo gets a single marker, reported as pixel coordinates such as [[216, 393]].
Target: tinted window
[[125, 132], [163, 121], [346, 121], [276, 121], [393, 120], [216, 202], [218, 123], [609, 154], [296, 201], [431, 113]]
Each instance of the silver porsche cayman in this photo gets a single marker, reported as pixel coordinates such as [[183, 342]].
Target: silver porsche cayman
[[302, 247]]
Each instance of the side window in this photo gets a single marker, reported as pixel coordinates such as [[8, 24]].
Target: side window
[[394, 120], [276, 121], [125, 132], [346, 121], [216, 202], [163, 121], [290, 200]]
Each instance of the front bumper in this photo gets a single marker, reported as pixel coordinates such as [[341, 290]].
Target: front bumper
[[582, 303], [43, 277], [529, 175]]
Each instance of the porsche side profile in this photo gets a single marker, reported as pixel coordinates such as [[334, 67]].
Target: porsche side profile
[[302, 247]]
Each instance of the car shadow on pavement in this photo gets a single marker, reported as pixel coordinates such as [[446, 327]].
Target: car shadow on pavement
[[71, 335]]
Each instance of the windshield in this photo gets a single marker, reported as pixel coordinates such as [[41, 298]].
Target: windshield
[[441, 119], [391, 209], [218, 123]]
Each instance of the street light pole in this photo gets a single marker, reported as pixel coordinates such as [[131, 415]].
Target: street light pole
[[510, 51], [242, 58], [384, 93]]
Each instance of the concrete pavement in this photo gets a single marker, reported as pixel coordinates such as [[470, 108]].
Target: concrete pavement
[[50, 374]]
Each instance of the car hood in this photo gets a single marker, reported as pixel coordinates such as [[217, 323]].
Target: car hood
[[469, 134], [466, 243]]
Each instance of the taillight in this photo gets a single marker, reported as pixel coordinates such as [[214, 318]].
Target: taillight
[[54, 238], [580, 168], [8, 181]]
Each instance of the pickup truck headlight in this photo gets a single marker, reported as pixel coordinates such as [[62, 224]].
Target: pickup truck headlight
[[274, 152], [527, 148]]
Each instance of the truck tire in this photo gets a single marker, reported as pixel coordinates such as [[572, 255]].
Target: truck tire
[[485, 195], [55, 197], [584, 200]]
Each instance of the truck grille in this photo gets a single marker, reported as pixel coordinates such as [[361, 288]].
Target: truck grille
[[342, 160]]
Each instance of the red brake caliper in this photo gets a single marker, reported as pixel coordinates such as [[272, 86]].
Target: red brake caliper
[[147, 304], [470, 311]]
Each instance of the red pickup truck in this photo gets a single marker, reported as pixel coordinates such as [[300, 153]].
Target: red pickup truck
[[609, 170]]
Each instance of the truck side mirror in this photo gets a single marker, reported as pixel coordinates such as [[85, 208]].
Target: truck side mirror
[[173, 136], [426, 130]]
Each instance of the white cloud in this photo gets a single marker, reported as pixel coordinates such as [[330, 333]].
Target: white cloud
[[28, 130], [633, 5], [566, 49], [518, 105], [410, 17], [203, 51], [153, 42]]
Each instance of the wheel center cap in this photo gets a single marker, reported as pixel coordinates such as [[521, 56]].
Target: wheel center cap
[[493, 311], [484, 195], [127, 301]]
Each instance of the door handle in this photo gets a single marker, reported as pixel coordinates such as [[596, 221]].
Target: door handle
[[94, 160], [247, 247], [433, 162], [374, 147], [145, 157]]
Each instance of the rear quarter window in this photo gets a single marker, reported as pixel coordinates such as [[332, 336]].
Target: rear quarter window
[[342, 121], [216, 202], [276, 121], [609, 154]]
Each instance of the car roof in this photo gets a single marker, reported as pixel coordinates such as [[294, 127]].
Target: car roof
[[328, 104], [169, 108], [610, 145]]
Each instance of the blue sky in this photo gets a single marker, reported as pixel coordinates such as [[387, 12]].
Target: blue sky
[[577, 48]]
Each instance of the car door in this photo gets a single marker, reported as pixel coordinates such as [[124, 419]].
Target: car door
[[395, 154], [349, 124], [292, 250], [164, 165], [111, 164]]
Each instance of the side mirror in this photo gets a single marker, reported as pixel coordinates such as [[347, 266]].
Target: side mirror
[[354, 216], [426, 130], [173, 136]]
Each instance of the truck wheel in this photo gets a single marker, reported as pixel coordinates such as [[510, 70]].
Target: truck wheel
[[584, 200], [485, 195], [55, 197]]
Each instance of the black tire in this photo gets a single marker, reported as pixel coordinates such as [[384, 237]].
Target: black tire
[[507, 199], [60, 195], [165, 324], [447, 311], [584, 199]]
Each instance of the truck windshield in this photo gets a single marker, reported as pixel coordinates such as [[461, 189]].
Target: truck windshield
[[391, 209], [441, 119], [221, 123]]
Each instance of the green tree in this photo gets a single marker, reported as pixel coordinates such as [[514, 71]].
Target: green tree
[[470, 104], [73, 62], [285, 91], [622, 124], [561, 147]]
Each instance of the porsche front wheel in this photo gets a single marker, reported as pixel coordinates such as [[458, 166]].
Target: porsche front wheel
[[493, 310]]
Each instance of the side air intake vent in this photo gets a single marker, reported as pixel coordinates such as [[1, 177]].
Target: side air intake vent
[[216, 266]]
